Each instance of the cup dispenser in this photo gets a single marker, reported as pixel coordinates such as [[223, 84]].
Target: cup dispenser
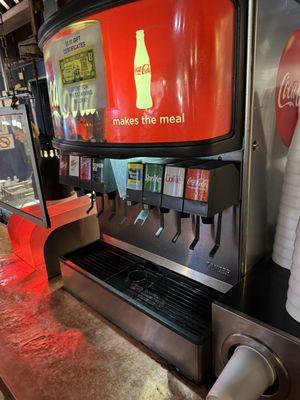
[[210, 189]]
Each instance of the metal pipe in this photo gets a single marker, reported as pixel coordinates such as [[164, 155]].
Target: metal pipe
[[3, 72]]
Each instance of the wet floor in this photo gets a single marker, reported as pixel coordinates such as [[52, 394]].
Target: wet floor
[[54, 347]]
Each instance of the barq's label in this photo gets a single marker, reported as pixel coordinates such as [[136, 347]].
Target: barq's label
[[135, 176], [287, 96], [197, 185], [174, 181], [153, 178], [98, 170], [74, 166], [85, 168], [63, 165]]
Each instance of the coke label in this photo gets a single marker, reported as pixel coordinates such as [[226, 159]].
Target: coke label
[[74, 166], [85, 168], [197, 185], [135, 176], [153, 178], [174, 181], [63, 165]]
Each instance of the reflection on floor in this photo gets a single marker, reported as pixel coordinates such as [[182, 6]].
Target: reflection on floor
[[54, 347]]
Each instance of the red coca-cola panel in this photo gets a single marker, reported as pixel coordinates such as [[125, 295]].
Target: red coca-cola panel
[[197, 185], [169, 69]]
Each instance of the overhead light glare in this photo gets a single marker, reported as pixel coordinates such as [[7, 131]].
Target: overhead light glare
[[5, 5]]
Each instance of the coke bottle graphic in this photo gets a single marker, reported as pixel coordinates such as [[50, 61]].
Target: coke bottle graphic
[[142, 73]]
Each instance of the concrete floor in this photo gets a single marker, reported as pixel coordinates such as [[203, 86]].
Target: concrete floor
[[54, 347]]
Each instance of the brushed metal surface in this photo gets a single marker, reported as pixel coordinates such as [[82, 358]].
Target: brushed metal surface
[[273, 23], [68, 238], [227, 323], [191, 360], [173, 266], [223, 267]]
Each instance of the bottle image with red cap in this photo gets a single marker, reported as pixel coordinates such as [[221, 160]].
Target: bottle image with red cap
[[142, 73]]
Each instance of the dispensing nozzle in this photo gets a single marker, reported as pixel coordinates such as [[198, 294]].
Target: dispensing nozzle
[[179, 216], [197, 233], [216, 247]]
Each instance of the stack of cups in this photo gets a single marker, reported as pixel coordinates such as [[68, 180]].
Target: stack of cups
[[289, 211], [293, 296]]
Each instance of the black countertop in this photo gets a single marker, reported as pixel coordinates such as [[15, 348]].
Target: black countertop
[[261, 295]]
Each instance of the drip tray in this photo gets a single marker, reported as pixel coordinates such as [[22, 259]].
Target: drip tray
[[169, 313]]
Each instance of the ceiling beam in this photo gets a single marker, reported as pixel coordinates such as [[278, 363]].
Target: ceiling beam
[[16, 17]]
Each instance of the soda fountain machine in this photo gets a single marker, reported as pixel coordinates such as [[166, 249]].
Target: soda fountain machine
[[165, 112]]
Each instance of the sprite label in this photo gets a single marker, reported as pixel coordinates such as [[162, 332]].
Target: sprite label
[[153, 179]]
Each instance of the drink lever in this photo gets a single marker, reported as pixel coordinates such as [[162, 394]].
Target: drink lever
[[112, 202], [218, 237], [100, 204], [92, 198], [197, 233], [162, 212], [179, 216]]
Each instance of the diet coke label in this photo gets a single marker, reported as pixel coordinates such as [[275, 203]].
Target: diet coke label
[[174, 181], [197, 185], [74, 166], [287, 98]]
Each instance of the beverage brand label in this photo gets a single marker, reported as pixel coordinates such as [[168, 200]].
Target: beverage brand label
[[287, 97], [74, 164], [85, 168], [135, 176], [63, 165], [153, 178], [197, 185], [98, 170], [174, 181]]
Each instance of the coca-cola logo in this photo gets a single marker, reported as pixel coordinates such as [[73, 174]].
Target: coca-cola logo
[[143, 69], [173, 178], [63, 165], [289, 92], [287, 97], [197, 182]]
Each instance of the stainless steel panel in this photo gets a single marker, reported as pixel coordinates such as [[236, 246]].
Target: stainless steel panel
[[173, 266], [68, 238], [190, 359], [285, 347], [197, 264], [273, 23]]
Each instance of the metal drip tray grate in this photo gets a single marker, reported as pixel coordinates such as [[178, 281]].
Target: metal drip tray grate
[[174, 300]]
